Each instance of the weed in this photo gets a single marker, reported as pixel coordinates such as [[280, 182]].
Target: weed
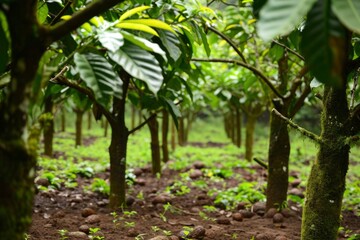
[[129, 224], [27, 236], [63, 233], [208, 208], [140, 236], [94, 234], [155, 228], [101, 186]]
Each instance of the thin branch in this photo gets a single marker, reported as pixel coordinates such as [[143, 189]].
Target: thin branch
[[142, 124], [61, 13], [300, 102], [297, 82], [261, 163], [256, 71], [228, 40], [93, 9], [303, 131], [289, 50]]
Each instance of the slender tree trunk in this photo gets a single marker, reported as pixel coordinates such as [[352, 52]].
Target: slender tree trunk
[[78, 130], [249, 141], [48, 126], [90, 117], [140, 117], [63, 121], [17, 153], [155, 145], [231, 126], [173, 136], [165, 131], [106, 127], [326, 183], [181, 131], [226, 124], [279, 151], [238, 128]]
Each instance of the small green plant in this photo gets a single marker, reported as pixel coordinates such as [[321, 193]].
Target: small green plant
[[167, 232], [140, 236], [129, 213], [140, 196], [129, 224], [178, 188], [205, 217], [155, 228], [234, 236], [94, 235], [115, 219], [209, 208], [354, 237], [63, 234], [27, 236], [100, 185], [186, 231]]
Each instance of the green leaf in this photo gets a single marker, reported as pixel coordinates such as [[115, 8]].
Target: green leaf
[[144, 44], [136, 26], [205, 42], [348, 11], [152, 23], [171, 43], [174, 111], [139, 64], [4, 54], [42, 11], [321, 26], [133, 11], [279, 17], [276, 52], [112, 40], [98, 75]]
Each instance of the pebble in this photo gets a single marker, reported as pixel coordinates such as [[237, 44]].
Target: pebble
[[237, 217], [241, 206], [195, 173], [263, 236], [59, 214], [162, 199], [87, 212], [77, 235], [48, 225], [93, 219], [140, 181], [295, 183], [199, 165], [297, 192], [101, 203], [223, 221], [132, 232], [130, 200], [138, 172], [197, 233], [287, 213], [246, 213], [259, 208], [85, 229], [271, 212], [42, 182], [278, 218]]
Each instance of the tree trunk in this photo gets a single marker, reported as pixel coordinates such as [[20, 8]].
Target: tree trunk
[[78, 130], [17, 153], [326, 183], [155, 145], [181, 132], [90, 117], [165, 131], [278, 170], [173, 136], [63, 121], [238, 128], [231, 126], [48, 126], [249, 141]]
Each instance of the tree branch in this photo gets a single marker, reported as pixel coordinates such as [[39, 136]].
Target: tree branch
[[289, 50], [93, 9], [228, 40], [303, 131], [256, 71], [142, 124], [61, 13]]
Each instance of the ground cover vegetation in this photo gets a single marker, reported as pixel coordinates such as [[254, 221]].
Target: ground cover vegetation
[[167, 65]]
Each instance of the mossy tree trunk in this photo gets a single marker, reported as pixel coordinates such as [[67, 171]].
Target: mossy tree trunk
[[48, 126], [165, 131], [78, 127], [155, 145]]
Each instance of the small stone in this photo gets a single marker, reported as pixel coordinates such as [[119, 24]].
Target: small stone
[[278, 218], [85, 229], [173, 237], [195, 210], [201, 197], [162, 199], [297, 192], [195, 173], [77, 235], [295, 183], [87, 212], [198, 165], [101, 203], [130, 200], [140, 181], [270, 213], [197, 233], [42, 182], [259, 208], [138, 172], [246, 213], [237, 217], [223, 221], [93, 219], [76, 200], [241, 206], [287, 213], [132, 232], [59, 214]]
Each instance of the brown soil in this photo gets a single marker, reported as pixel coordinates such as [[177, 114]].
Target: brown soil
[[64, 209]]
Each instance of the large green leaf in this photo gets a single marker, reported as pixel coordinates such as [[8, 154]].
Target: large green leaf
[[321, 26], [4, 54], [279, 17], [139, 64], [174, 111], [348, 11], [98, 75], [171, 43], [112, 40], [42, 11]]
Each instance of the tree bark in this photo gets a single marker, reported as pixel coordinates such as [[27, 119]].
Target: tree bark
[[48, 127], [238, 128], [173, 136], [181, 132], [165, 131], [249, 141], [63, 120], [155, 145], [278, 167], [78, 125], [326, 183]]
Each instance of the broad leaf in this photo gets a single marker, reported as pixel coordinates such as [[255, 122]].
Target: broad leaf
[[171, 43], [133, 11], [139, 64], [321, 26], [42, 11], [174, 111], [137, 27], [98, 75], [348, 11], [151, 23], [111, 40], [279, 17]]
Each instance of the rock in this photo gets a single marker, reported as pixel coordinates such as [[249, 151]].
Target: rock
[[93, 219], [287, 213], [87, 212], [197, 233], [259, 208], [101, 203], [297, 192], [42, 182], [85, 229], [77, 235], [162, 199], [201, 197], [159, 238], [195, 173], [241, 206], [132, 232], [173, 237], [278, 218], [140, 181], [281, 238], [263, 236], [130, 200], [195, 210], [223, 221], [59, 214], [271, 212], [198, 165], [295, 183], [237, 217], [246, 213], [138, 172]]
